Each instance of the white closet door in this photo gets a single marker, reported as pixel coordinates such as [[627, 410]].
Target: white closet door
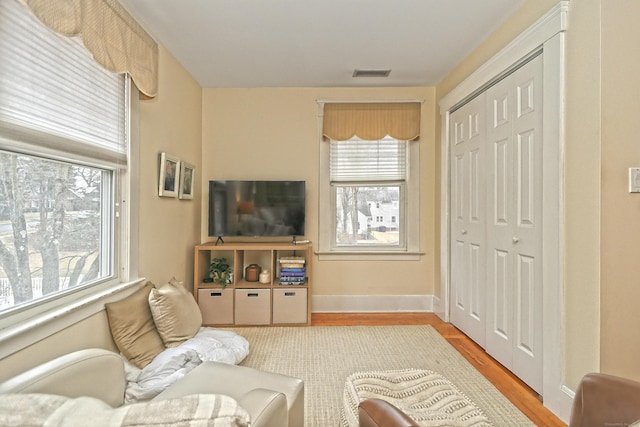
[[468, 218], [514, 227]]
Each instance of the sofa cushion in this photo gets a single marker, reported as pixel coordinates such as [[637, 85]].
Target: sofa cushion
[[237, 382], [132, 327], [52, 410], [175, 313]]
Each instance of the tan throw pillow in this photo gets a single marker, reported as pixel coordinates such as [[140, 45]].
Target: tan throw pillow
[[175, 313], [132, 327]]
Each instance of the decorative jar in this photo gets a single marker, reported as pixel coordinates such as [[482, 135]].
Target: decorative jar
[[265, 277], [252, 272]]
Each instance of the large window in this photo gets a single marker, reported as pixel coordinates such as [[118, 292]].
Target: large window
[[63, 146], [55, 227]]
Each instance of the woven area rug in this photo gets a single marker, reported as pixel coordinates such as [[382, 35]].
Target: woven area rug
[[325, 356]]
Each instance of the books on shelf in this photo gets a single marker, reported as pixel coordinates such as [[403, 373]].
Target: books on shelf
[[292, 271], [292, 281], [292, 262], [292, 259]]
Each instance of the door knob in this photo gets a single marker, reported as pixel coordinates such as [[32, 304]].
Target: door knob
[[464, 231], [515, 239]]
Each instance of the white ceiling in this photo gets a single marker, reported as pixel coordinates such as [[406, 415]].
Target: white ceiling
[[305, 43]]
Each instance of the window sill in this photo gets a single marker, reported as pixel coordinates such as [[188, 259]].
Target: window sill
[[20, 335], [369, 255]]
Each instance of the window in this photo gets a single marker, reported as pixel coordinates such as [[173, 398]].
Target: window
[[365, 174], [54, 227], [63, 146], [371, 192]]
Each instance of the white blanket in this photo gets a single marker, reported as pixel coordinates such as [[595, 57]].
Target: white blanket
[[208, 345]]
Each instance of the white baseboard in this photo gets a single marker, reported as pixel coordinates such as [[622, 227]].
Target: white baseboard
[[560, 403], [371, 303], [438, 308]]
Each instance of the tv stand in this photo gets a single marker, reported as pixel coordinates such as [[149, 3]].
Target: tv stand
[[221, 241], [279, 299]]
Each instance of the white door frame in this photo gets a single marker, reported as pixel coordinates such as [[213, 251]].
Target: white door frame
[[547, 34]]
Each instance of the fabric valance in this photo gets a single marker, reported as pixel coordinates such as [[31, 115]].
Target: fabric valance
[[114, 38], [371, 121]]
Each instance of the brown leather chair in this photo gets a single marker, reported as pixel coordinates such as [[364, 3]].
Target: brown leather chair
[[605, 400], [601, 400], [380, 413]]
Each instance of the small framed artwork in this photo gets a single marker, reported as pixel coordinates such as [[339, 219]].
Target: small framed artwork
[[187, 180], [169, 181]]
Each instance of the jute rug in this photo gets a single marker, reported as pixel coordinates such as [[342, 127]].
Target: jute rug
[[324, 356]]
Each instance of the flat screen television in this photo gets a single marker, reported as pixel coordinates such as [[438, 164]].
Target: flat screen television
[[256, 208]]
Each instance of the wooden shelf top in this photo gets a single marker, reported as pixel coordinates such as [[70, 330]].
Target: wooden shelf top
[[253, 246]]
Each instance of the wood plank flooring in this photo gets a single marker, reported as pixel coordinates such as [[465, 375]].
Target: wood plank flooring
[[522, 396]]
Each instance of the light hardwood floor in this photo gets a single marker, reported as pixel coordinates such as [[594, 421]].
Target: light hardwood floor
[[523, 397]]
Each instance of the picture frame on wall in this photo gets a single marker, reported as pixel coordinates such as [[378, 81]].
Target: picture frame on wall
[[187, 180], [169, 176]]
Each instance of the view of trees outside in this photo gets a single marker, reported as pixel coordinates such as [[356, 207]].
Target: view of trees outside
[[367, 215], [50, 227]]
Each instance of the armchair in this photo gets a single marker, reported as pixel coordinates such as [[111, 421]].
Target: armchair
[[606, 400], [380, 413]]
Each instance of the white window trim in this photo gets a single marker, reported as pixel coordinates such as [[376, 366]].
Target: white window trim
[[412, 209]]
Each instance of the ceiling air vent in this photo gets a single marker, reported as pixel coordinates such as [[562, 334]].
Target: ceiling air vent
[[371, 73]]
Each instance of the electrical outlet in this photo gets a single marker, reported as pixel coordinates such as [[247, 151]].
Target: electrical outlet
[[634, 180]]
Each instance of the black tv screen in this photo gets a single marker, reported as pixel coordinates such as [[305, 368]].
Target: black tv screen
[[256, 208]]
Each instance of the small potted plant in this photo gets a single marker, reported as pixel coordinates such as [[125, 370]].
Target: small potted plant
[[221, 272]]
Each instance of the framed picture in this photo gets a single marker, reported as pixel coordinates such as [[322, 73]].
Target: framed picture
[[169, 178], [187, 180]]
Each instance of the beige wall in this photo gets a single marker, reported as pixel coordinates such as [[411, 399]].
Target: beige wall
[[172, 122], [274, 134], [620, 271]]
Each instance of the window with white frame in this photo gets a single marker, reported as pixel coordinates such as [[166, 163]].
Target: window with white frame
[[368, 183], [63, 146], [371, 190]]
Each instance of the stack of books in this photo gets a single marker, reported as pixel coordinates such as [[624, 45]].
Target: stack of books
[[292, 270]]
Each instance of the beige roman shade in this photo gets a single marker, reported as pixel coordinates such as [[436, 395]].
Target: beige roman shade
[[113, 37], [371, 121]]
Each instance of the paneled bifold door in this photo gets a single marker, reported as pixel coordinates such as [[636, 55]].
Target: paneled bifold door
[[496, 221]]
